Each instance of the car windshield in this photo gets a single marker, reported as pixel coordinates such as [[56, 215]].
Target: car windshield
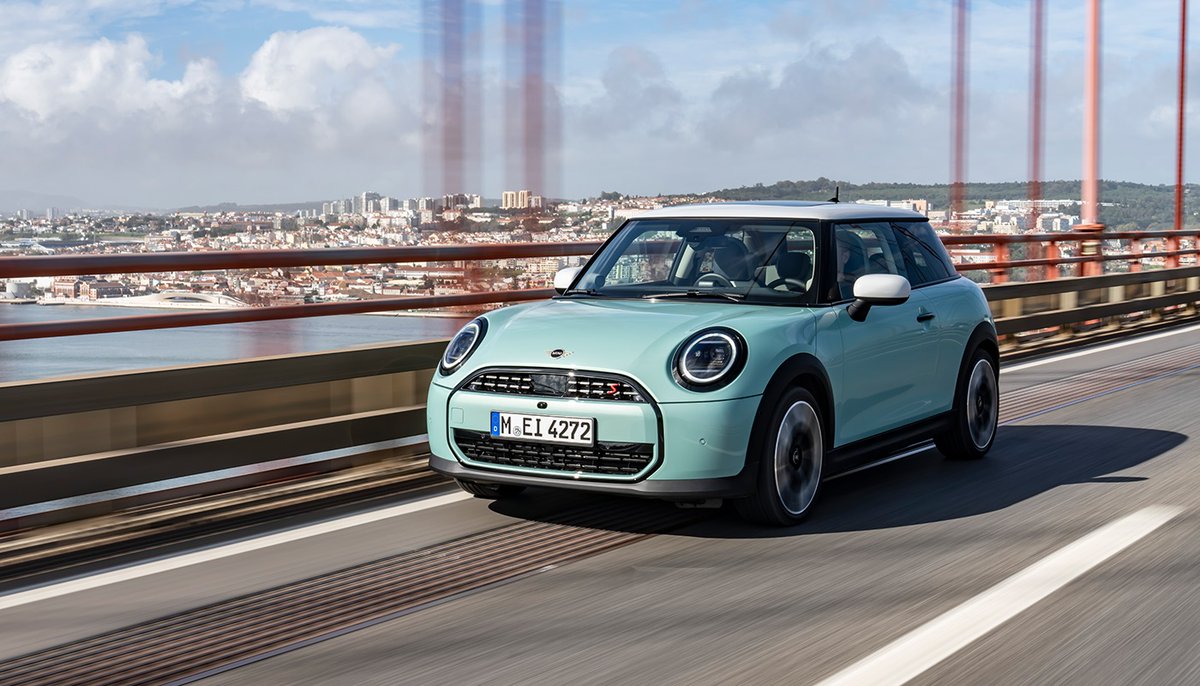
[[742, 260]]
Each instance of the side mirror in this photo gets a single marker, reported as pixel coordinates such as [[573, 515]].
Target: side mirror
[[877, 289], [565, 277]]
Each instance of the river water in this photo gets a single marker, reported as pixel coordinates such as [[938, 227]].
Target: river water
[[70, 355]]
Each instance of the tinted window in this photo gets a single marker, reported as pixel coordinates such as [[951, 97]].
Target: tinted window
[[867, 248], [925, 260]]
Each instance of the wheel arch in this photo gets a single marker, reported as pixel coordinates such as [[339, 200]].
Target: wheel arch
[[803, 370], [954, 442], [983, 336]]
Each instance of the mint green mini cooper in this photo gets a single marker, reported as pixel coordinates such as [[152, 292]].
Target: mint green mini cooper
[[737, 351]]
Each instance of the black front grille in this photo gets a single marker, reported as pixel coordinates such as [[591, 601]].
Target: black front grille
[[619, 459], [555, 385], [497, 382]]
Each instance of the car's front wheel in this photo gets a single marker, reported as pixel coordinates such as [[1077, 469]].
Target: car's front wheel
[[489, 491], [976, 411], [790, 466]]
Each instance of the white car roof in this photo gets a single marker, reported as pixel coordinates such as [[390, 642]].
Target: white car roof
[[783, 209]]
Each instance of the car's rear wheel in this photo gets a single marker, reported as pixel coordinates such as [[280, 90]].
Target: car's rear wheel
[[489, 491], [791, 463], [976, 412]]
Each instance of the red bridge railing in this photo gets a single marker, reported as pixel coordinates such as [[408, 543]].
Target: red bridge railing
[[141, 263], [1047, 246]]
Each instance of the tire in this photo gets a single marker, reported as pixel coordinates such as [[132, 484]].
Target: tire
[[976, 411], [490, 491], [790, 465]]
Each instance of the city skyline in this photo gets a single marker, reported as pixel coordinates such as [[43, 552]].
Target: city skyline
[[57, 206], [154, 105]]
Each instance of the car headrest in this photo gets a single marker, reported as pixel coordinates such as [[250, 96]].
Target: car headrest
[[857, 261], [730, 256], [794, 265]]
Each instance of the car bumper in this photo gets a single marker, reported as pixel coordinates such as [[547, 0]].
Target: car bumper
[[666, 489], [699, 447]]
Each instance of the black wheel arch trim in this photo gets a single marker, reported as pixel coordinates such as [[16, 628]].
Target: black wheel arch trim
[[984, 334], [805, 370]]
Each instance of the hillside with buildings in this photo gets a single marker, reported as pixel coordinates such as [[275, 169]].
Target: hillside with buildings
[[1126, 205]]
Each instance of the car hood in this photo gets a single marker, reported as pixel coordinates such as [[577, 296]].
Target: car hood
[[634, 338]]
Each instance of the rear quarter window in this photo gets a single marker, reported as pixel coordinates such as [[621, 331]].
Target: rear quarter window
[[925, 258]]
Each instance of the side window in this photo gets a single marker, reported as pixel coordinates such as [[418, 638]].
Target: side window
[[925, 259], [868, 248]]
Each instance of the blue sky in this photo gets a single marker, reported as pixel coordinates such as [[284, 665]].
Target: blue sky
[[169, 102]]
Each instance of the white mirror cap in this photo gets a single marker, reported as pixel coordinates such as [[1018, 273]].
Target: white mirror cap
[[882, 289], [564, 277]]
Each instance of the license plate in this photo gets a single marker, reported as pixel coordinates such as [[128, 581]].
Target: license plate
[[534, 427]]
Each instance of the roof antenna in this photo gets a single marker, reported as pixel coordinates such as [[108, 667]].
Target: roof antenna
[[837, 194]]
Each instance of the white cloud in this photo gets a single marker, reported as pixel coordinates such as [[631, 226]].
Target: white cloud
[[312, 70], [314, 113], [635, 97], [331, 83], [871, 91], [105, 81]]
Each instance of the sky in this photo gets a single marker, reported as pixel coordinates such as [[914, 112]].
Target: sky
[[166, 103]]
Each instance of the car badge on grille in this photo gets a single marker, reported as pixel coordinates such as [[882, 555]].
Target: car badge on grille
[[558, 352]]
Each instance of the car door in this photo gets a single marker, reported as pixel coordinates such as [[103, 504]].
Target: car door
[[888, 359], [930, 270]]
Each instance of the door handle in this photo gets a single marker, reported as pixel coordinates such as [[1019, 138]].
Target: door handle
[[925, 316]]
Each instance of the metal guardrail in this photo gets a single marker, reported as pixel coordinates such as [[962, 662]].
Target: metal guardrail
[[1068, 305], [66, 438], [146, 322], [13, 267], [142, 263]]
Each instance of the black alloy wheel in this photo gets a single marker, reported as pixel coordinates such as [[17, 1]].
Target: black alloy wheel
[[791, 464], [976, 413]]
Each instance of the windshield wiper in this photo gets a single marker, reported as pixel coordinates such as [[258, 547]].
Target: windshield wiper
[[584, 291], [693, 293]]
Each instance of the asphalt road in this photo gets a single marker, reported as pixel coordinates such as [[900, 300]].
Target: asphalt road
[[890, 553]]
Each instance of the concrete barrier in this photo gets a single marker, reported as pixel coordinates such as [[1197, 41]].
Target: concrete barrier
[[65, 437]]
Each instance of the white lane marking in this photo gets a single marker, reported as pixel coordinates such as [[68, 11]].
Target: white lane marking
[[1098, 349], [137, 571], [910, 655]]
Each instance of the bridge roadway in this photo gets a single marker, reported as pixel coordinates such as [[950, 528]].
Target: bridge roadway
[[1090, 437]]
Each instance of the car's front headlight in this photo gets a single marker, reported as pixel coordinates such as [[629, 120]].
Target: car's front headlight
[[710, 359], [462, 345]]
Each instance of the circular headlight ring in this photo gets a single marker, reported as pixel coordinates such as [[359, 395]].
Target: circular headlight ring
[[727, 374], [479, 326]]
